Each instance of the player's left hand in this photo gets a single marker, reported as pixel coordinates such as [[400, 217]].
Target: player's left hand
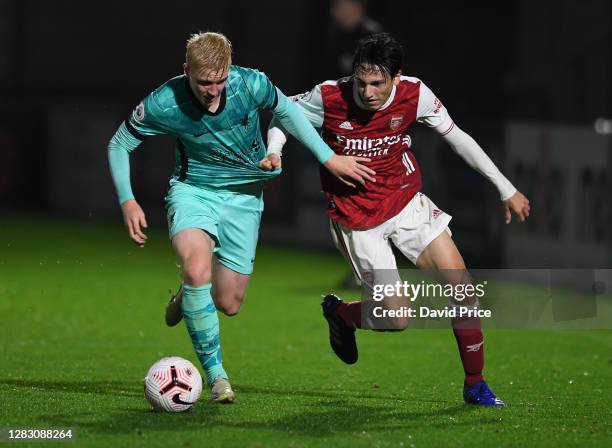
[[350, 169], [519, 204], [270, 162]]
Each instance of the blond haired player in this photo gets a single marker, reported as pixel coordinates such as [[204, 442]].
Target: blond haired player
[[215, 200]]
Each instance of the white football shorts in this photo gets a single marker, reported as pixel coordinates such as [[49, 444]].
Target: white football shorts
[[370, 252]]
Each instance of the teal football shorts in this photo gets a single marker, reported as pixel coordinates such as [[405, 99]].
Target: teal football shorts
[[230, 215]]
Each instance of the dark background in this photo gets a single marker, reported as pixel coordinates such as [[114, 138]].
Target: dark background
[[71, 71]]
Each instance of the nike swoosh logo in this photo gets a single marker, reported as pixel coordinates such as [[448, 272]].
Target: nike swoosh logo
[[198, 135], [176, 398]]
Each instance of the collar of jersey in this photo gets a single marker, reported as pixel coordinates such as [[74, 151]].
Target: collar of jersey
[[199, 105], [362, 106]]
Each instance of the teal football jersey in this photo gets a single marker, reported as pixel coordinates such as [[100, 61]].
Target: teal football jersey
[[216, 149]]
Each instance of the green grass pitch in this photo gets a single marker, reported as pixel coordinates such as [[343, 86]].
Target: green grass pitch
[[82, 320]]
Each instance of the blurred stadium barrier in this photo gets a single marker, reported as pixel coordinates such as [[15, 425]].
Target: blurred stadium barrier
[[565, 172]]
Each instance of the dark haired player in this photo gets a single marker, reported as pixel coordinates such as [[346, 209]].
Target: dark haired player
[[368, 114]]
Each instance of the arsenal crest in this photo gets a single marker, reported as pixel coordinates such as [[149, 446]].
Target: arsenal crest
[[396, 122]]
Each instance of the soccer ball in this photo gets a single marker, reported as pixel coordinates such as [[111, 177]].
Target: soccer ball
[[172, 384]]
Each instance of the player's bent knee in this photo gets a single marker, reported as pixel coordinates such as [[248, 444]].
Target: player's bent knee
[[195, 273]]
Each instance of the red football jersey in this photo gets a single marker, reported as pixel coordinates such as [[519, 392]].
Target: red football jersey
[[381, 136]]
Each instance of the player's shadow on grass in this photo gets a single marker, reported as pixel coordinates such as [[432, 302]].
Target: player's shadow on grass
[[339, 417], [334, 393], [111, 387], [296, 412]]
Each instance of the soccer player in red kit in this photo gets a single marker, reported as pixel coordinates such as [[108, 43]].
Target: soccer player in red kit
[[368, 114]]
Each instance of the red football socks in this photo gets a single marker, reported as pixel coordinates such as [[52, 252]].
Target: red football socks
[[468, 334], [471, 347], [350, 313]]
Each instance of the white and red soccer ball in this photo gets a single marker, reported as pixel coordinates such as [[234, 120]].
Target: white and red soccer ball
[[173, 384]]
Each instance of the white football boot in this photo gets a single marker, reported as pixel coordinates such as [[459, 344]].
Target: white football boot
[[221, 391]]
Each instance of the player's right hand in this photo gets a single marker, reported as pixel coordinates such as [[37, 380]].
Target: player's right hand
[[135, 220], [350, 170], [270, 162]]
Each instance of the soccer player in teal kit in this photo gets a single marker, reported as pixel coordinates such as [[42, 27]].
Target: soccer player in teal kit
[[215, 200]]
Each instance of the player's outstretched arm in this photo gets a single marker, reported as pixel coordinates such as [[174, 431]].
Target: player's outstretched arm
[[432, 113], [337, 165], [467, 148], [119, 149], [347, 169]]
